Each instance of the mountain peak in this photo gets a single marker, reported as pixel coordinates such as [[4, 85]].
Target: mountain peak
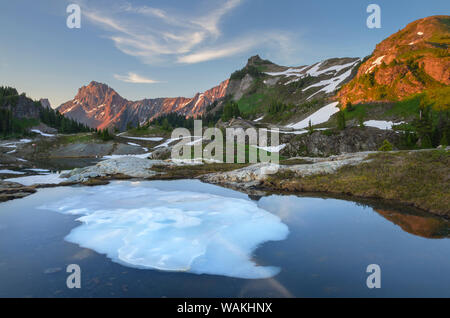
[[413, 60], [257, 60], [100, 90], [95, 83]]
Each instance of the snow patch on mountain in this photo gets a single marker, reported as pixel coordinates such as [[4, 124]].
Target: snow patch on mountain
[[319, 117]]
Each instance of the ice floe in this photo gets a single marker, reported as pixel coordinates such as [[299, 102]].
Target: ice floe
[[139, 224]]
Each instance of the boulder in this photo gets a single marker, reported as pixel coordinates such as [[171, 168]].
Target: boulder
[[125, 166]]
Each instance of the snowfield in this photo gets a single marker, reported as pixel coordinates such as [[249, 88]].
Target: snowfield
[[144, 138], [289, 72], [14, 145], [142, 156], [381, 124], [272, 148], [52, 178], [376, 63], [319, 117], [314, 71], [330, 85], [7, 171], [133, 144], [37, 131]]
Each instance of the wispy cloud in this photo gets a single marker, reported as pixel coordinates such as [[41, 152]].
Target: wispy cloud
[[211, 21], [275, 41], [135, 78], [155, 35]]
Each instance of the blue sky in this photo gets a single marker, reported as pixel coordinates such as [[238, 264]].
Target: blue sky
[[165, 48]]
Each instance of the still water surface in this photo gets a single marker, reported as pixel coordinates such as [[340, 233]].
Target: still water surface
[[284, 246]]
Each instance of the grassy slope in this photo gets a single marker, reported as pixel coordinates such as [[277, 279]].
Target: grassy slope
[[146, 132], [259, 97], [21, 126], [421, 179], [405, 110]]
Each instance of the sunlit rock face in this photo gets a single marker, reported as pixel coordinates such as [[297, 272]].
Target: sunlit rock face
[[99, 106], [141, 226]]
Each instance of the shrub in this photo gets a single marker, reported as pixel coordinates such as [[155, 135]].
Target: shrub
[[251, 70], [444, 140], [230, 110], [386, 146], [349, 107], [310, 128], [104, 135], [341, 120]]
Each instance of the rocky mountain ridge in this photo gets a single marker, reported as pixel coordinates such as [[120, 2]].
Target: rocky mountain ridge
[[99, 106]]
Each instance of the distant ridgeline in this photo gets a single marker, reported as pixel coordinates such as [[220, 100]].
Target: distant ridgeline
[[170, 121], [18, 114]]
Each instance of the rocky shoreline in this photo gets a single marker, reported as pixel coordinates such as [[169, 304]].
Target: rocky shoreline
[[13, 190], [257, 179]]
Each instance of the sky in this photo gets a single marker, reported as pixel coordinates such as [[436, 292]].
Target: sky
[[169, 48]]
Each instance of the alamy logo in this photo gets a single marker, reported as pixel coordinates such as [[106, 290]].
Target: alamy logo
[[74, 19], [374, 20], [74, 279], [374, 279], [240, 145]]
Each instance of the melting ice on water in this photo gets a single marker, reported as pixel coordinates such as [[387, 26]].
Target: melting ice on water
[[141, 226]]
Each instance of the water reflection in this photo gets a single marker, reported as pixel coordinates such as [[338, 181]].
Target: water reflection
[[329, 246], [425, 225]]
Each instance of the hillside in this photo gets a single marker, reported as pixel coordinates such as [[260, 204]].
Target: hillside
[[20, 115], [415, 60], [261, 84]]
